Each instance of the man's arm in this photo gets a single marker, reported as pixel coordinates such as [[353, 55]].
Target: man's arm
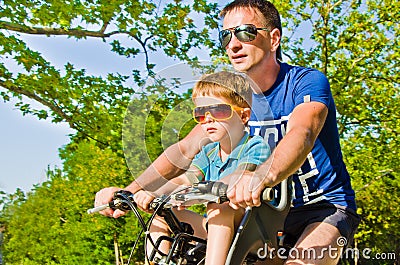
[[303, 128], [171, 163]]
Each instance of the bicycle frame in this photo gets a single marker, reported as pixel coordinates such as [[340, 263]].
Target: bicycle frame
[[259, 228], [183, 242]]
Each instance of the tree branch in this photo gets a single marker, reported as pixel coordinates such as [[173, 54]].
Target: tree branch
[[52, 107], [60, 31], [35, 97], [76, 32], [372, 181]]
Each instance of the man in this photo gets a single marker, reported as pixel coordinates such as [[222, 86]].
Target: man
[[303, 127]]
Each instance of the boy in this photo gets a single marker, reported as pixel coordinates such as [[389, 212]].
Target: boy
[[222, 109]]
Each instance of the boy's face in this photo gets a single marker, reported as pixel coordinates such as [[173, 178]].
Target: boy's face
[[219, 119], [247, 56]]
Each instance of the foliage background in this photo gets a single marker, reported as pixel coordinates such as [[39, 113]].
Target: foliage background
[[355, 43]]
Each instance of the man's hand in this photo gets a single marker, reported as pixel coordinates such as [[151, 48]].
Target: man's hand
[[245, 189], [104, 196], [143, 199]]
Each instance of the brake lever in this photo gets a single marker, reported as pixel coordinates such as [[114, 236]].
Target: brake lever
[[218, 189], [119, 201]]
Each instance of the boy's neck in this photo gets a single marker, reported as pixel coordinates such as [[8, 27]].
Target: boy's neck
[[228, 144]]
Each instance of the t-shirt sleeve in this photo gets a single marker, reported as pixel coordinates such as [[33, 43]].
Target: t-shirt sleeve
[[256, 152], [201, 161], [311, 85]]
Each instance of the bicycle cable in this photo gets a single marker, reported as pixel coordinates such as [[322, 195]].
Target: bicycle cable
[[145, 226], [141, 221], [159, 206]]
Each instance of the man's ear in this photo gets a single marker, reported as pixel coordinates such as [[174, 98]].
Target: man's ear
[[275, 39], [246, 112]]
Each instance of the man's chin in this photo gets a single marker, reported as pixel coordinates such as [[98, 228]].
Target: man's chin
[[240, 67]]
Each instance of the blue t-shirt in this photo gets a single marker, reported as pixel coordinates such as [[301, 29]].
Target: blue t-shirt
[[323, 177], [250, 150]]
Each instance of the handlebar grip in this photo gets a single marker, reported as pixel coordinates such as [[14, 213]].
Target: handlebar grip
[[120, 201], [220, 189], [98, 209], [268, 194]]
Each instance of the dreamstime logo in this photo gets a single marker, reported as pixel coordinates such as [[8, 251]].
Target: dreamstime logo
[[297, 253], [268, 252], [341, 241]]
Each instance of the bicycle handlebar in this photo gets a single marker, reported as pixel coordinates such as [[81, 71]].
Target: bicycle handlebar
[[219, 189], [119, 201], [201, 192]]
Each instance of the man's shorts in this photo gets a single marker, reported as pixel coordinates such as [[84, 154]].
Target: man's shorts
[[345, 219]]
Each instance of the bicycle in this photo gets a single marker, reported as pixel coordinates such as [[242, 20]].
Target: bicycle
[[260, 228]]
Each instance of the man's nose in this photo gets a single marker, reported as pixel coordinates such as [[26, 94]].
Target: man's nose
[[234, 43]]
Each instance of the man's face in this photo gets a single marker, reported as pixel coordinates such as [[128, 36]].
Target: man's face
[[247, 56]]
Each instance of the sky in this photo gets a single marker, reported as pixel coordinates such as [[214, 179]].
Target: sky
[[29, 146]]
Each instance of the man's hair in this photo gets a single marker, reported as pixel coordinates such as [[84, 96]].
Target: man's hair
[[234, 87], [271, 15]]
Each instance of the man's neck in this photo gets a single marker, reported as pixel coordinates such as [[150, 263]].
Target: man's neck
[[265, 75]]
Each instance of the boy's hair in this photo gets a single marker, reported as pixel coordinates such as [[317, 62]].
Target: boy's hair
[[271, 15], [234, 87]]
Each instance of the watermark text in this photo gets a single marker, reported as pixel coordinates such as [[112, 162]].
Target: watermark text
[[320, 253]]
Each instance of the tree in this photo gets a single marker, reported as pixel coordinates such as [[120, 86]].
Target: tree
[[95, 107], [355, 43], [90, 104]]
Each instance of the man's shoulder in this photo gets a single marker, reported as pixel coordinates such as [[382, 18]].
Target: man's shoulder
[[299, 77], [295, 70]]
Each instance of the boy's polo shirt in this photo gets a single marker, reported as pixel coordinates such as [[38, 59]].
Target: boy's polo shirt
[[250, 150]]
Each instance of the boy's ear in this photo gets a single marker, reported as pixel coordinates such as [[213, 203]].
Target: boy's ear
[[246, 115]]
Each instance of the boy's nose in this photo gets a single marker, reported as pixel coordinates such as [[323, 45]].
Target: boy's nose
[[208, 117]]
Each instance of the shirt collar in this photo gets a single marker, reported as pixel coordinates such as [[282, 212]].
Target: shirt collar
[[235, 154]]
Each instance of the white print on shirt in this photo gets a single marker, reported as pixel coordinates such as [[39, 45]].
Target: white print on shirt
[[304, 176], [271, 129]]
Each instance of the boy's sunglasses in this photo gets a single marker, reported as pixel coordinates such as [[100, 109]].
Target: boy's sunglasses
[[244, 33], [217, 111]]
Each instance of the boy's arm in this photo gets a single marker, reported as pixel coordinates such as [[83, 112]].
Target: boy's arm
[[191, 176], [143, 197]]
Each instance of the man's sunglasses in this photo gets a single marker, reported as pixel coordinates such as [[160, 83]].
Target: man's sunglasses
[[244, 33], [218, 112]]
